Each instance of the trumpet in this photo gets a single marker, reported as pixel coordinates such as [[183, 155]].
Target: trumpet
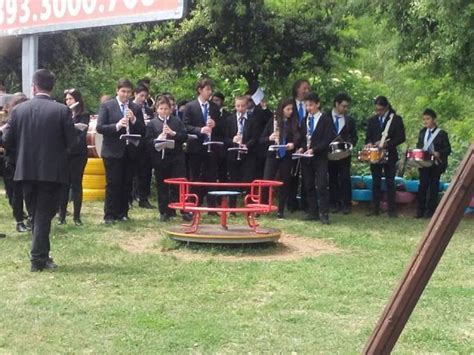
[[276, 129], [209, 136]]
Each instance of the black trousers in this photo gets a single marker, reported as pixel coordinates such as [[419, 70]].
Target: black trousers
[[296, 186], [389, 171], [42, 199], [315, 178], [77, 164], [14, 192], [203, 167], [173, 167], [279, 169], [144, 174], [119, 178], [340, 188], [427, 198], [241, 171]]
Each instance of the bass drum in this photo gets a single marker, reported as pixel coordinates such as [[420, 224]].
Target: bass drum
[[94, 139]]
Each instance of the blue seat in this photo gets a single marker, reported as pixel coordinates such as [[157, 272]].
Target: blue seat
[[361, 195]]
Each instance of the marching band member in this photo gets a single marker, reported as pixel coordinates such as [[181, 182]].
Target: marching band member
[[315, 133], [300, 88], [344, 129], [77, 158], [202, 118], [283, 131], [143, 171], [385, 130], [168, 162], [117, 117], [434, 140], [241, 132]]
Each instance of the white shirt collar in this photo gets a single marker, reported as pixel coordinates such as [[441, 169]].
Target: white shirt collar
[[120, 102], [202, 102]]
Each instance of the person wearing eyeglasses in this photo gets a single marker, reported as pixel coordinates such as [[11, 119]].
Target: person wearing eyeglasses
[[77, 157]]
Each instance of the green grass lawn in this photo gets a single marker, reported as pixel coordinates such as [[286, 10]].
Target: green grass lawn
[[104, 299]]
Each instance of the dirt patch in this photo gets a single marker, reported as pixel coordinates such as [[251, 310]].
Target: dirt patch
[[289, 247]]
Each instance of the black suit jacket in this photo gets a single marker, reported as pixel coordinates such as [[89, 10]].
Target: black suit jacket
[[154, 129], [109, 115], [396, 133], [41, 132], [440, 144], [81, 147], [291, 134], [194, 121], [348, 132], [250, 137], [320, 138]]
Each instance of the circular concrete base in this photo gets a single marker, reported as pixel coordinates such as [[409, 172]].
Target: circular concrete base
[[212, 233]]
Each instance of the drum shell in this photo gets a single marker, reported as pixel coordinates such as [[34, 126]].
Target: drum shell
[[94, 140]]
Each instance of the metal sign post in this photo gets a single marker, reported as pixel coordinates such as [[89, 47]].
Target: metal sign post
[[29, 62]]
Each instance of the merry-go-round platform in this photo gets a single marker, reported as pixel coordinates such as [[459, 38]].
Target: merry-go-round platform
[[253, 204]]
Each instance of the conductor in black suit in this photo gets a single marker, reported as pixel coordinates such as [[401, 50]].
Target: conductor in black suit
[[41, 131], [117, 117], [202, 118]]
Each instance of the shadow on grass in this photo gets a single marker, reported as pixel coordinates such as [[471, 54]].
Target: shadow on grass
[[99, 268]]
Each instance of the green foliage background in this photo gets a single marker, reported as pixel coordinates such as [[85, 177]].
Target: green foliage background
[[418, 53]]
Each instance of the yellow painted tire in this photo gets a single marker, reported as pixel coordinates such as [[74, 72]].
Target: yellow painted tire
[[93, 195], [94, 166], [94, 182]]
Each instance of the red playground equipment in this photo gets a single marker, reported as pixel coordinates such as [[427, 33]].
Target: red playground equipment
[[253, 204]]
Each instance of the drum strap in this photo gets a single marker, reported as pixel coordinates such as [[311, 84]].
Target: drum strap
[[430, 141], [385, 131]]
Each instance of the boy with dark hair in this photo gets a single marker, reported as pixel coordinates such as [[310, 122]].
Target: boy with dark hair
[[170, 162], [344, 129], [202, 118], [117, 117], [434, 140], [315, 133]]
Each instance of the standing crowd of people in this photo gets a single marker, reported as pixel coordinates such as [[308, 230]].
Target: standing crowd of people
[[45, 152]]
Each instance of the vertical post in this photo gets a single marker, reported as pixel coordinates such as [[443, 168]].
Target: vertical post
[[417, 275], [29, 62]]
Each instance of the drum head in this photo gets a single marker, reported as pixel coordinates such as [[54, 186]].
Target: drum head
[[339, 155]]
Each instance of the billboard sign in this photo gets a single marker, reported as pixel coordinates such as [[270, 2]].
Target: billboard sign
[[25, 17]]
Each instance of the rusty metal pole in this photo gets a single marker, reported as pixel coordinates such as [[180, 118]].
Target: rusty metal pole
[[436, 238]]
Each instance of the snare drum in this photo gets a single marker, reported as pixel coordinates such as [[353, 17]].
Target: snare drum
[[339, 150], [378, 156], [364, 155], [94, 139], [418, 158]]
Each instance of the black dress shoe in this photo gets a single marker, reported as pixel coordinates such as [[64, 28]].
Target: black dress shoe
[[124, 219], [61, 221], [187, 217], [335, 209], [346, 210], [28, 224], [164, 218], [311, 217], [280, 215], [392, 214], [109, 221], [372, 213], [21, 228], [146, 204], [77, 222], [419, 215], [325, 220], [48, 265]]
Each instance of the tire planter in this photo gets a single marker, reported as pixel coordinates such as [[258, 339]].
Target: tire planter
[[94, 166], [362, 195], [93, 195]]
